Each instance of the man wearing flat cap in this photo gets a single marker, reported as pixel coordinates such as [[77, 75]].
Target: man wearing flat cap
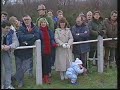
[[42, 13]]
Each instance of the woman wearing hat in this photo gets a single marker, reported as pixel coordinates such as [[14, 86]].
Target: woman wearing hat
[[47, 43]]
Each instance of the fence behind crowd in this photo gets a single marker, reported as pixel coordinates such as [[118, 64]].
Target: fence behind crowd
[[38, 61]]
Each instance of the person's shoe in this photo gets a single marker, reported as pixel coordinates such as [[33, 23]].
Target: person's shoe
[[13, 80], [30, 75], [2, 86], [47, 79], [20, 84], [10, 87], [110, 66], [76, 83]]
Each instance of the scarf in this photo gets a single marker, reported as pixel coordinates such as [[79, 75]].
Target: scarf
[[46, 40]]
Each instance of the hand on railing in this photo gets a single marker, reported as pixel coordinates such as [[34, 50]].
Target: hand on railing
[[113, 39], [101, 33]]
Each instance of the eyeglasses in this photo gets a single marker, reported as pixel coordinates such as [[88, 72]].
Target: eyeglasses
[[26, 19]]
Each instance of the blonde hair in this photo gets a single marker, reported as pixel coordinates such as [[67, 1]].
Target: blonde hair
[[42, 20]]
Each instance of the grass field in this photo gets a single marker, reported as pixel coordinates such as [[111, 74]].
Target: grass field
[[94, 80]]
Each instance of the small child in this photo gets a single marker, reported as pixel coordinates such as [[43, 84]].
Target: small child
[[75, 69]]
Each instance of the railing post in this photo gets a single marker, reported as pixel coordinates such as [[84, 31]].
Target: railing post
[[38, 62], [100, 54]]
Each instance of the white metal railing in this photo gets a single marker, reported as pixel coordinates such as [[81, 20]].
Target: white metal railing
[[38, 58]]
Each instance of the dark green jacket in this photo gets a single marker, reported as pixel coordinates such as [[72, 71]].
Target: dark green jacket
[[50, 21], [95, 26]]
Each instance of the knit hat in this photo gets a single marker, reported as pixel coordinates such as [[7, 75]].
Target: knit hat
[[78, 61], [42, 20]]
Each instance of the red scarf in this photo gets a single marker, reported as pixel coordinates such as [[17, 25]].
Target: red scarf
[[46, 40]]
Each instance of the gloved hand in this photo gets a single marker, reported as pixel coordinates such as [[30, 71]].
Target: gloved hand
[[67, 45], [113, 39], [64, 45], [101, 33]]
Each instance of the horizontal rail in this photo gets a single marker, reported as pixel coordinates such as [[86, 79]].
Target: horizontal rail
[[89, 41], [25, 47]]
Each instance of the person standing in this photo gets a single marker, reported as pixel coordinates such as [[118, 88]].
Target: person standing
[[57, 18], [111, 32], [27, 34], [96, 27], [43, 14], [4, 16], [80, 32], [64, 39], [89, 16], [47, 44], [9, 42]]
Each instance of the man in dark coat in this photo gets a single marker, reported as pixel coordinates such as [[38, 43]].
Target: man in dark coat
[[80, 32], [27, 34]]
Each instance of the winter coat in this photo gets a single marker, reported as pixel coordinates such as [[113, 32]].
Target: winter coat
[[63, 55], [52, 40], [29, 38], [49, 20], [11, 40], [74, 69], [79, 34], [111, 32], [95, 26]]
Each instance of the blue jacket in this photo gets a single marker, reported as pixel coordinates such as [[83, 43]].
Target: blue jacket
[[28, 37], [79, 35], [74, 69], [56, 19], [8, 40]]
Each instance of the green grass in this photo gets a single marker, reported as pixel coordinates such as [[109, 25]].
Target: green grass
[[94, 80]]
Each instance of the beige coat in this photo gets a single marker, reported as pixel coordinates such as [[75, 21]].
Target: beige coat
[[63, 55]]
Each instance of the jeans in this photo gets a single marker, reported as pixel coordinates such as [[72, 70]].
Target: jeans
[[7, 62], [21, 67]]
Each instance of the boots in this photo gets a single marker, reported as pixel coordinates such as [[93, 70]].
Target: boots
[[46, 79]]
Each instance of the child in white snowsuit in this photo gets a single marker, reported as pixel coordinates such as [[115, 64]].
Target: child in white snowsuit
[[75, 69]]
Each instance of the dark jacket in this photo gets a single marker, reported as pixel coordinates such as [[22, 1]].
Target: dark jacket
[[26, 39], [95, 26], [79, 34], [111, 32]]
